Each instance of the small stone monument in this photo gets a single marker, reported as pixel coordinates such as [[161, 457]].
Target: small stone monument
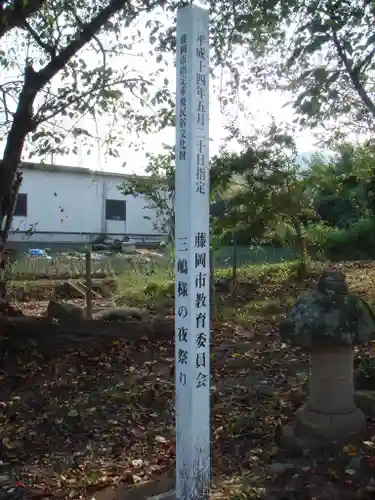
[[329, 323]]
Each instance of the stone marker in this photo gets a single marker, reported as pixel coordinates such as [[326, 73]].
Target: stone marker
[[328, 322]]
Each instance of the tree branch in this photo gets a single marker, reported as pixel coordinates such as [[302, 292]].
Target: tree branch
[[15, 14], [362, 65], [354, 76], [5, 104], [82, 37], [94, 37], [90, 93], [45, 46], [23, 122]]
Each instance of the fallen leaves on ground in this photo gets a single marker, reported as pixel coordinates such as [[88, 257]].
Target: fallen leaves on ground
[[91, 416]]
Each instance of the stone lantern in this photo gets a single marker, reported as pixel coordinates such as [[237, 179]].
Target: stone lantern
[[329, 323]]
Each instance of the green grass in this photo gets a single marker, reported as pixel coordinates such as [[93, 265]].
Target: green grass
[[271, 272], [72, 264], [156, 289], [262, 289], [252, 255], [269, 306], [257, 293]]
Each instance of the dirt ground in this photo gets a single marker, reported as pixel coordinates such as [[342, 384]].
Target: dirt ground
[[88, 407]]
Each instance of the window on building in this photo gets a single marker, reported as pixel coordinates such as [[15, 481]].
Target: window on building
[[21, 205], [115, 210]]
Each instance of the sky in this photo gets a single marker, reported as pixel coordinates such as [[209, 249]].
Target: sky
[[262, 107]]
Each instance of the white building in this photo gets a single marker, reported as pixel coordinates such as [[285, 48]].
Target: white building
[[59, 204]]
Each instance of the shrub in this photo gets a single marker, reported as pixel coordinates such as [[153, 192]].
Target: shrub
[[353, 243]]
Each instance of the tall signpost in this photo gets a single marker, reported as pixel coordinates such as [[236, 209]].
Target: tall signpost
[[192, 247]]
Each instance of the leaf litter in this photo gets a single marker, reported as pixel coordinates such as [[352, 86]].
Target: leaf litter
[[91, 415]]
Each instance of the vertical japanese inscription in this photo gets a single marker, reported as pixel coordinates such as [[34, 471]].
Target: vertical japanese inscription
[[201, 83], [192, 247], [182, 242], [201, 80], [183, 97], [182, 269], [201, 249]]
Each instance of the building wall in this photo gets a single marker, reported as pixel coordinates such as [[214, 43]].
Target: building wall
[[59, 203]]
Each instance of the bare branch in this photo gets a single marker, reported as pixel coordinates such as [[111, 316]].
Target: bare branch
[[5, 104], [9, 92]]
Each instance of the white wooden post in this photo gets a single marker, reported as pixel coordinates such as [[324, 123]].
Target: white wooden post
[[192, 256]]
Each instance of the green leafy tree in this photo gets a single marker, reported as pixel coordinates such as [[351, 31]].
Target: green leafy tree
[[341, 186], [56, 68], [250, 191], [364, 176], [157, 188], [321, 50], [14, 13], [270, 192]]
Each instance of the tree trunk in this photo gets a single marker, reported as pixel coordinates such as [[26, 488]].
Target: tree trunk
[[21, 126], [9, 184], [234, 268], [302, 247]]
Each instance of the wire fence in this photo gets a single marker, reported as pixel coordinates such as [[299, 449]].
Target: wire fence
[[71, 264], [254, 255]]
